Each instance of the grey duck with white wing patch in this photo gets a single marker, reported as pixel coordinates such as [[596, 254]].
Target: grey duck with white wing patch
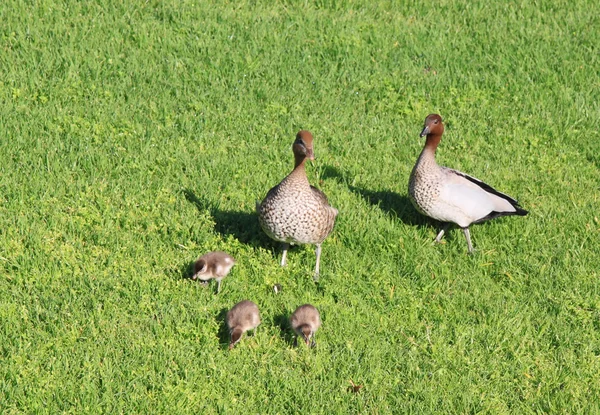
[[294, 212], [452, 196]]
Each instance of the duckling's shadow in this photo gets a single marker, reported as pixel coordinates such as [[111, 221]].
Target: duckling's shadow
[[594, 159], [183, 271], [282, 321], [243, 226], [223, 333], [186, 271]]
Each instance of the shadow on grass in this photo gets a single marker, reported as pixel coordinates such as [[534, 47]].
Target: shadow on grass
[[393, 204], [594, 159], [223, 329], [287, 334], [396, 205], [243, 226], [187, 270], [184, 271]]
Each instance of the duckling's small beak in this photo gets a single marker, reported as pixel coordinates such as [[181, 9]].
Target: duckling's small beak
[[425, 131], [310, 154]]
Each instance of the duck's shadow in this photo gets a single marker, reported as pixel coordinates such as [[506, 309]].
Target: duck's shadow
[[396, 205], [243, 226]]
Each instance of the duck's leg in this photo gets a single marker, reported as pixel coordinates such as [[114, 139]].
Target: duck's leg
[[218, 286], [284, 255], [318, 253], [440, 235], [468, 238]]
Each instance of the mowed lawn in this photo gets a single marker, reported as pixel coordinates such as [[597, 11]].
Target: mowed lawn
[[136, 136]]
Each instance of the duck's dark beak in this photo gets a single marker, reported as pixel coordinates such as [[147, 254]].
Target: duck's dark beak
[[425, 131]]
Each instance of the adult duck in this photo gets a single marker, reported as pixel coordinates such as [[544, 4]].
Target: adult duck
[[294, 212], [451, 196]]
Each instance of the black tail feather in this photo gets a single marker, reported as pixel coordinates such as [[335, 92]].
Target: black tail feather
[[492, 215]]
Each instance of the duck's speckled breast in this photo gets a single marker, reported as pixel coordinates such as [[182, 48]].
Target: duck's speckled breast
[[293, 213], [424, 185]]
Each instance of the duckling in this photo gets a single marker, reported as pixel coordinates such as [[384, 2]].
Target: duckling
[[451, 196], [294, 212], [242, 317], [213, 265], [305, 321]]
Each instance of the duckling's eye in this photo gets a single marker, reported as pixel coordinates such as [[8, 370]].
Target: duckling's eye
[[435, 122]]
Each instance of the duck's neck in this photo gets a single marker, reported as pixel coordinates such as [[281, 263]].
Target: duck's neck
[[298, 175], [299, 163], [431, 143]]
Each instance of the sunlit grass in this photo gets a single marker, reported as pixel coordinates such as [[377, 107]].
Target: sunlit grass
[[138, 136]]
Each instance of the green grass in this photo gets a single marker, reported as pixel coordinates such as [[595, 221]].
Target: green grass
[[137, 136]]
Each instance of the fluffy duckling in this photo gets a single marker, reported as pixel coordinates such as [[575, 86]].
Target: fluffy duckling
[[294, 212], [451, 196], [242, 317], [213, 265], [305, 321]]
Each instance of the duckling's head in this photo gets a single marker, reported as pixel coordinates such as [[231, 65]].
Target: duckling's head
[[307, 333], [236, 336], [433, 125], [201, 269], [303, 146]]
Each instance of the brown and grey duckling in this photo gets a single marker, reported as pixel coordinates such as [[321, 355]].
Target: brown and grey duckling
[[305, 322], [242, 317], [213, 265], [451, 196], [294, 212]]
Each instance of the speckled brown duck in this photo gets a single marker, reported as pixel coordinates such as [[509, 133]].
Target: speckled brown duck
[[294, 212], [305, 321], [451, 196], [242, 317], [213, 265]]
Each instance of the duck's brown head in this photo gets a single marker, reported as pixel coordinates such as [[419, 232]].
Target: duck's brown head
[[433, 126], [303, 146]]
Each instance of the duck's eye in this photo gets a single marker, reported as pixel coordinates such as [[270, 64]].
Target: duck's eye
[[435, 122]]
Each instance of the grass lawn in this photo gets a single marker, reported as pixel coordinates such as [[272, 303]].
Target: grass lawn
[[137, 136]]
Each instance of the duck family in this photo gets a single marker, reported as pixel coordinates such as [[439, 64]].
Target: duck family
[[294, 212]]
